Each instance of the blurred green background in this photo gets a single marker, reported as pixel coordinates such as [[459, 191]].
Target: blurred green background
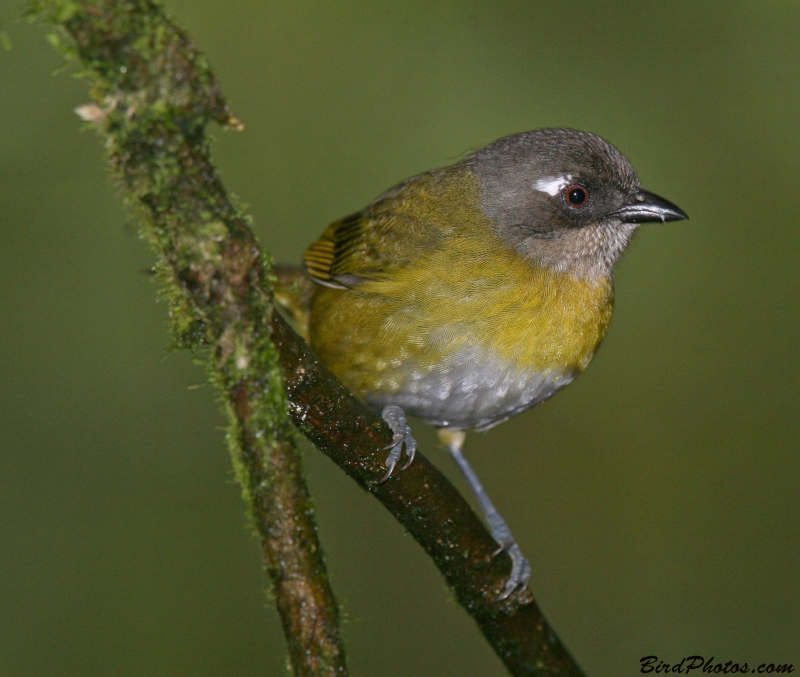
[[657, 497]]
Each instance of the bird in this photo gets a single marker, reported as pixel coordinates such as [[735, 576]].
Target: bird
[[468, 294]]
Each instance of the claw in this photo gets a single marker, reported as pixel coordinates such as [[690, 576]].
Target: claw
[[500, 548], [390, 464], [520, 574], [411, 451], [396, 440], [402, 437]]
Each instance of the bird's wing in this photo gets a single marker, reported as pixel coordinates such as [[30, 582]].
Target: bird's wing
[[374, 244], [333, 258]]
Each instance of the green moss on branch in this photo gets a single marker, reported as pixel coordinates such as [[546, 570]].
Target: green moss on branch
[[154, 96]]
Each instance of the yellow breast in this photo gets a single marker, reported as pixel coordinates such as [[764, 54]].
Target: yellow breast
[[475, 292]]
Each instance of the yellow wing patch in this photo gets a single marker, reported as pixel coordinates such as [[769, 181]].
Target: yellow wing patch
[[328, 261], [394, 231]]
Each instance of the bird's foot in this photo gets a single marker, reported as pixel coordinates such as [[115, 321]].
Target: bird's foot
[[396, 419], [520, 574]]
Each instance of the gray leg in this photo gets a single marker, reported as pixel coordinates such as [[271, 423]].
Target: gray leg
[[520, 568], [396, 419]]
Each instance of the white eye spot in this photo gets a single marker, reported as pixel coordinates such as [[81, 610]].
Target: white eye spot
[[553, 185]]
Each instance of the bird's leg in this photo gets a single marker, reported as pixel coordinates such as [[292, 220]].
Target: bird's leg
[[520, 568], [396, 419]]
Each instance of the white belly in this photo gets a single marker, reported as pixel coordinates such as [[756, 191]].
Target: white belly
[[471, 389]]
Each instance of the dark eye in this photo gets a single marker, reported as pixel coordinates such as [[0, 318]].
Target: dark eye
[[576, 196]]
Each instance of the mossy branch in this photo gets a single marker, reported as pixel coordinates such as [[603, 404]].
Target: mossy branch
[[154, 96]]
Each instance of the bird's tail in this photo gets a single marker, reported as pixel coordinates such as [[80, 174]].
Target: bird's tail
[[293, 291]]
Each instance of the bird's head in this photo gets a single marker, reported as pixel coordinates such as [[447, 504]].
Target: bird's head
[[565, 199]]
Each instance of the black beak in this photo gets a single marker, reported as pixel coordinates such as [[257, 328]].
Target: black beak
[[645, 206]]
